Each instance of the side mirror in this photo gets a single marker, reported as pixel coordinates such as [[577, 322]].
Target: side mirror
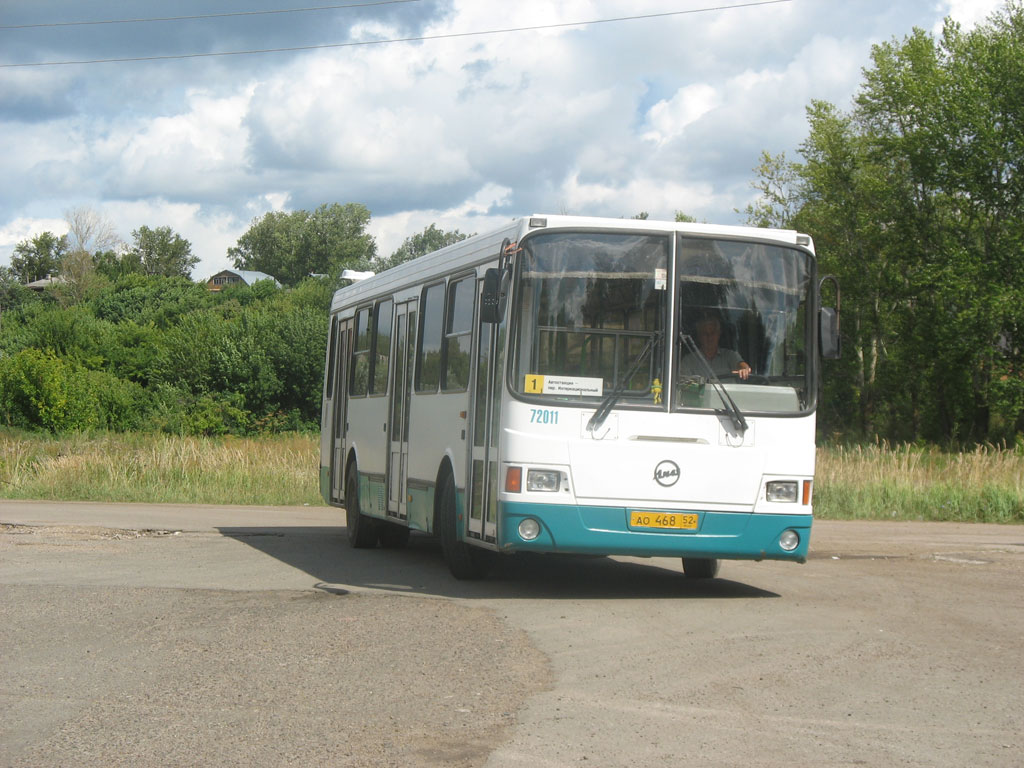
[[828, 323], [828, 333], [494, 296]]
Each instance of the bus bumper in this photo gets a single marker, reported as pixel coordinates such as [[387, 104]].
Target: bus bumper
[[606, 531]]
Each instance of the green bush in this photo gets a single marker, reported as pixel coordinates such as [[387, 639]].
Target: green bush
[[177, 411], [37, 392]]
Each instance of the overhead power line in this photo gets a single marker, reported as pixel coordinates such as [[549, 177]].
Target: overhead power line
[[417, 39], [203, 16]]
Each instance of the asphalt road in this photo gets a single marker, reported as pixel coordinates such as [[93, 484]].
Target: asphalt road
[[167, 635]]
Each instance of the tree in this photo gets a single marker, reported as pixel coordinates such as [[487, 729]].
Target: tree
[[80, 280], [427, 241], [779, 199], [90, 231], [292, 246], [161, 251], [38, 257]]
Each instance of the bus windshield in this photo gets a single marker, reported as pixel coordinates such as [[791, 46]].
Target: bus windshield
[[594, 325], [742, 306], [593, 310]]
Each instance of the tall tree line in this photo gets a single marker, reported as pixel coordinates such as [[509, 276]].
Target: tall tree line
[[915, 200]]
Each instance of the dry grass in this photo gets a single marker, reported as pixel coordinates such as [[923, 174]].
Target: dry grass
[[913, 483], [858, 482], [161, 468]]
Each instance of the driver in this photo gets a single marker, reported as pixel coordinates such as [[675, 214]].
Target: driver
[[722, 361]]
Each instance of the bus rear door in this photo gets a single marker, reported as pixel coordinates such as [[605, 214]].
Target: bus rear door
[[398, 421]]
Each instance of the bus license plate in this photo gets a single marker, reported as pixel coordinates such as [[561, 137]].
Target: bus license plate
[[672, 520]]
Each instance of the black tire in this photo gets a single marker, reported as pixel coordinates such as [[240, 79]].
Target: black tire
[[393, 535], [362, 530], [700, 567], [464, 561]]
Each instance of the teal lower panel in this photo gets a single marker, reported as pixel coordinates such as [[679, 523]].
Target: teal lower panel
[[373, 495], [605, 531], [420, 508]]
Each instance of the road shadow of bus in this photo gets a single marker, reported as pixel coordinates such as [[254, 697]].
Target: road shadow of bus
[[418, 569]]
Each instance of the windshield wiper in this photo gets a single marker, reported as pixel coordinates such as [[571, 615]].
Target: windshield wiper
[[731, 408], [613, 397]]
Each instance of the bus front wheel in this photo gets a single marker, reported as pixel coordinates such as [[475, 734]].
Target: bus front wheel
[[362, 530], [464, 561], [700, 567]]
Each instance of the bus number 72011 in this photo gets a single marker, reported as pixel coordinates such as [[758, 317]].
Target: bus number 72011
[[543, 416]]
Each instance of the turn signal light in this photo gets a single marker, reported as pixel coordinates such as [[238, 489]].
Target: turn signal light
[[514, 480]]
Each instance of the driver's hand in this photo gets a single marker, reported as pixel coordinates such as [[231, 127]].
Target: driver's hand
[[743, 372]]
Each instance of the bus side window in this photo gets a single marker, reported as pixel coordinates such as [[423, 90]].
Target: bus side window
[[381, 347], [331, 347], [361, 355], [428, 353], [458, 334]]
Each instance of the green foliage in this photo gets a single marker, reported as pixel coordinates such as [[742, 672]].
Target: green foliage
[[118, 349], [166, 354], [292, 246], [157, 300], [13, 295], [67, 332], [39, 390], [113, 265]]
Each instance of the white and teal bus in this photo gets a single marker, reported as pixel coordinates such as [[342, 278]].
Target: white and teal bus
[[582, 385]]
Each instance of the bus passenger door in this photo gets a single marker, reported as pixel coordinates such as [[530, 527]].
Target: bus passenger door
[[339, 424], [482, 493], [398, 409]]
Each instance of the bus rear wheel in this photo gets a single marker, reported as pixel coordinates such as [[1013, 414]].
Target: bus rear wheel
[[464, 561], [362, 530], [700, 567]]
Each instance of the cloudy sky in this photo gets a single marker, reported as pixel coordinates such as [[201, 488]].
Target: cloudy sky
[[462, 123]]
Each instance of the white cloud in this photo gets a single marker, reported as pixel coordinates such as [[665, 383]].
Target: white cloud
[[200, 148], [968, 13], [669, 119], [474, 215]]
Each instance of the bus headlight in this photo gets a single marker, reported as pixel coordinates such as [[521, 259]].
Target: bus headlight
[[543, 480], [781, 490], [789, 540]]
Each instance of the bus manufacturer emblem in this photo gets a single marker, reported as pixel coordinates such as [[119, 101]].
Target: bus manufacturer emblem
[[666, 474]]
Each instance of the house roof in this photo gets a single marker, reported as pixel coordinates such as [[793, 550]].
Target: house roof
[[248, 276], [46, 282]]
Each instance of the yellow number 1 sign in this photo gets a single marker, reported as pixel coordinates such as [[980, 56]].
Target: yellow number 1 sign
[[534, 384]]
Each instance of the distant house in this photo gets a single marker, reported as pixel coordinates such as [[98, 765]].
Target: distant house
[[231, 276], [46, 282]]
